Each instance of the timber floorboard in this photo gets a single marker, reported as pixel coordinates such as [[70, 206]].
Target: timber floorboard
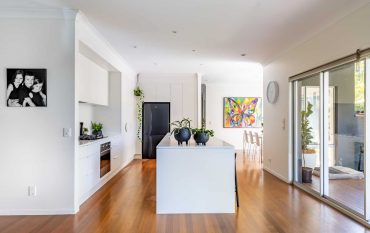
[[127, 204], [349, 192]]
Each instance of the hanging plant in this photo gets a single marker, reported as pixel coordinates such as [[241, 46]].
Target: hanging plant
[[138, 92]]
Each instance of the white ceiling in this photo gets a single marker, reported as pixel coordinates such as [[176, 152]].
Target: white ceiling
[[218, 30]]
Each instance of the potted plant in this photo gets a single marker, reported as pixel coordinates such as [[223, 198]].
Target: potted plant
[[97, 129], [139, 93], [182, 130], [201, 135], [306, 139], [85, 131]]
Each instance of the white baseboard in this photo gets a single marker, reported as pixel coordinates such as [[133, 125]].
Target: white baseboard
[[138, 156], [38, 212], [277, 175]]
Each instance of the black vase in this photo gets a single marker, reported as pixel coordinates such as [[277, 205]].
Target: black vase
[[201, 138], [183, 135], [306, 175], [81, 128]]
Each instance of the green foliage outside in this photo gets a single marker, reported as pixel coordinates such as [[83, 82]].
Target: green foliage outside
[[359, 86], [306, 129]]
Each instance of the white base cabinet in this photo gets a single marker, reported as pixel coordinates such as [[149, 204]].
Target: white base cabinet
[[89, 165]]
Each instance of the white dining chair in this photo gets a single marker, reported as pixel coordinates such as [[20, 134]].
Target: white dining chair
[[258, 145], [246, 143], [252, 143]]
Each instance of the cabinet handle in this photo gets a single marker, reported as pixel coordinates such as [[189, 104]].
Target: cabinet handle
[[126, 127]]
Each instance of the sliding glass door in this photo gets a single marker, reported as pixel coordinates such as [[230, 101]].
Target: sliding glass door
[[346, 150], [329, 122]]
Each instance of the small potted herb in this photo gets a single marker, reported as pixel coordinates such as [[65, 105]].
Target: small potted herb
[[202, 135], [182, 130], [85, 131], [97, 129]]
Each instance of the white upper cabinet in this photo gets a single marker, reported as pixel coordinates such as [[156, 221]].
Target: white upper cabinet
[[93, 82]]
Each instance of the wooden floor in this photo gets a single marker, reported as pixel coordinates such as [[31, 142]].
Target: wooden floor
[[349, 192], [127, 204]]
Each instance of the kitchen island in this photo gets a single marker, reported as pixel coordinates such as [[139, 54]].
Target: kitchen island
[[195, 179]]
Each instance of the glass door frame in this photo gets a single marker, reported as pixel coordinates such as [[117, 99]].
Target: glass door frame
[[294, 137]]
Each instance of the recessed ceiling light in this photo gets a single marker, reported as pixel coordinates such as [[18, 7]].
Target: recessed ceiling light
[[243, 54], [200, 64], [155, 63], [194, 50], [134, 46]]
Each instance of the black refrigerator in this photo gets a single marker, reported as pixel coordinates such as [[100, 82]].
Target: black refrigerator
[[156, 124]]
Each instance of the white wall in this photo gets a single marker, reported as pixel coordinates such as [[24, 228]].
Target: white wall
[[86, 115], [33, 149], [338, 40], [215, 93]]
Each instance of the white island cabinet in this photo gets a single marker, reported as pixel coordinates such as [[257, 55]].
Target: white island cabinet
[[195, 179]]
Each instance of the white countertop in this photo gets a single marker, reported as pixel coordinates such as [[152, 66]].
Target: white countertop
[[169, 142]]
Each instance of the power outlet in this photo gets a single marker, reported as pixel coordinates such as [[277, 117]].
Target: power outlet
[[283, 124], [32, 191], [67, 132]]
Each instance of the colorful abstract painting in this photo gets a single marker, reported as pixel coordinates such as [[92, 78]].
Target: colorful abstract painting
[[242, 112]]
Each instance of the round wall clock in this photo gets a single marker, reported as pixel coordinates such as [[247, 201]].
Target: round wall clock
[[272, 92]]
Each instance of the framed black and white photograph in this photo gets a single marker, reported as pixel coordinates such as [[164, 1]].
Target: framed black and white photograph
[[26, 88]]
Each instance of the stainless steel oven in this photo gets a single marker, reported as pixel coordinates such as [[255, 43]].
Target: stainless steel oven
[[104, 158]]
